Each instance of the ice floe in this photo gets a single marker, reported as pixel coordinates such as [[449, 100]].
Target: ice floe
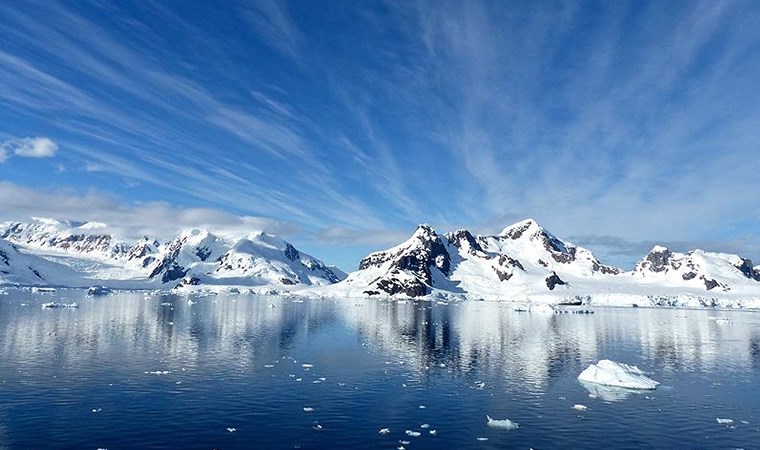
[[384, 431], [56, 305], [724, 421], [611, 373], [579, 407], [504, 424], [308, 409], [413, 433]]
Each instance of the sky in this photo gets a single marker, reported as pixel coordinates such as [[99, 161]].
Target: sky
[[342, 125]]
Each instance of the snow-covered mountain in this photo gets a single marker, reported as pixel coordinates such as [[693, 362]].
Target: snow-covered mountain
[[19, 268], [512, 261], [200, 257], [81, 253], [697, 268], [526, 260]]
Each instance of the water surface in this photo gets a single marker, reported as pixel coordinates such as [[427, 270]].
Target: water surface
[[156, 371]]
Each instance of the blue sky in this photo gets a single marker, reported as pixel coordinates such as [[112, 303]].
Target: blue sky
[[341, 125]]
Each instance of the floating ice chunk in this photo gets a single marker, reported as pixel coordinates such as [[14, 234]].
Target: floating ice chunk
[[231, 429], [159, 372], [423, 406], [384, 431], [724, 421], [579, 407], [95, 291], [268, 366], [190, 301], [400, 447], [480, 384], [611, 373], [308, 409], [425, 426], [307, 366], [316, 426], [722, 321], [433, 432], [97, 410], [413, 433], [56, 305], [481, 439], [505, 424]]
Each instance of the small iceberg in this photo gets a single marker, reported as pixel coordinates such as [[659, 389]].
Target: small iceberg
[[384, 431], [56, 305], [96, 291], [579, 407], [504, 424], [413, 433], [724, 421], [611, 373]]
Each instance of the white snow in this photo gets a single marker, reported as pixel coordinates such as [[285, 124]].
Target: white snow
[[504, 424], [611, 373]]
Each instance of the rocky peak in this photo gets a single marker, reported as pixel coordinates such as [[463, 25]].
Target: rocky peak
[[657, 260], [464, 240], [527, 227]]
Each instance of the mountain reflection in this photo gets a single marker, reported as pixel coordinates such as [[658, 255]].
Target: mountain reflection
[[528, 349], [240, 332]]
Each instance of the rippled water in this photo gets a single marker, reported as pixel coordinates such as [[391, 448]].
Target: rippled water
[[128, 371]]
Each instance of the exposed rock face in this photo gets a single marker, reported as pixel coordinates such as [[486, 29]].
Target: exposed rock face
[[658, 260], [553, 280], [748, 270]]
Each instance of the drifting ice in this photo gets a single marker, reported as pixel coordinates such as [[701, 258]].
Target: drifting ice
[[611, 373], [505, 424], [55, 305]]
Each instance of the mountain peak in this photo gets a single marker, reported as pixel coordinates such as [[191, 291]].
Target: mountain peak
[[518, 229]]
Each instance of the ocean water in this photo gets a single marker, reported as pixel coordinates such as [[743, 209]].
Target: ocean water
[[136, 370]]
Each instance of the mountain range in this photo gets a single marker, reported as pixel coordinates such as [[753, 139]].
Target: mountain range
[[523, 261], [76, 254]]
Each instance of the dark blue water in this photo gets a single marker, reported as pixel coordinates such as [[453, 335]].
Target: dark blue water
[[82, 378]]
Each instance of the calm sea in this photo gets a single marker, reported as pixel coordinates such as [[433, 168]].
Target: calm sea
[[136, 370]]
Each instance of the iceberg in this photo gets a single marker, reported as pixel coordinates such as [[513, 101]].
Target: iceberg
[[98, 290], [611, 373], [504, 424]]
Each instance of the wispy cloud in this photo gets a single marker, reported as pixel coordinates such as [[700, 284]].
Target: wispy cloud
[[272, 22]]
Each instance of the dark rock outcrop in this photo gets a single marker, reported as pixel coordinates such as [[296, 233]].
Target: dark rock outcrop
[[554, 280]]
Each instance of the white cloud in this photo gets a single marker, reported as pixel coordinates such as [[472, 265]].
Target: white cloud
[[129, 220], [29, 147]]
